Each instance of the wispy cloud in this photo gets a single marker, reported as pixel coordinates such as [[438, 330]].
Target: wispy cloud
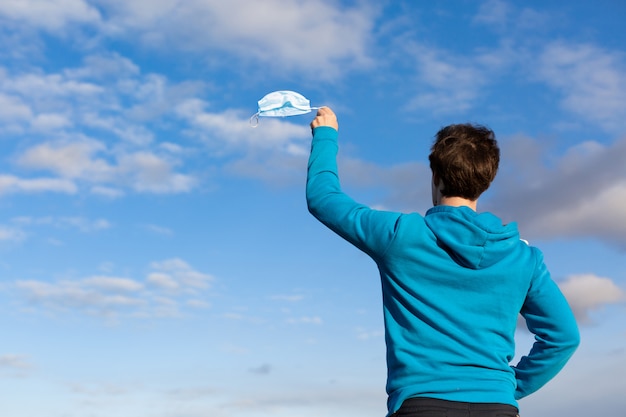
[[12, 184], [508, 18], [171, 285], [286, 297], [52, 15], [87, 161], [159, 230], [231, 131], [365, 334], [305, 320], [79, 223], [15, 362], [590, 79], [11, 234], [447, 83]]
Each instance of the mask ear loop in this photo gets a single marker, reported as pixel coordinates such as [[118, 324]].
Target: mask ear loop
[[254, 119]]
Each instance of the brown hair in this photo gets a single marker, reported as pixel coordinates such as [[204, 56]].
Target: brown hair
[[466, 158]]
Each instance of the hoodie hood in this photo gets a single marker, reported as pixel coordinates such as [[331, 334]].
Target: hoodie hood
[[473, 240]]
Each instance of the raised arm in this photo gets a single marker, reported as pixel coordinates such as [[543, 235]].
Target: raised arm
[[369, 230]]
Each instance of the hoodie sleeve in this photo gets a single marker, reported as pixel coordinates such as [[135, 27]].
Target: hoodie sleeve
[[549, 317], [369, 230]]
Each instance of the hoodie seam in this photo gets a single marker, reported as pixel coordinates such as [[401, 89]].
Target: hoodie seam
[[396, 228]]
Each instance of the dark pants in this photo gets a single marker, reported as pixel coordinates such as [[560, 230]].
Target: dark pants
[[430, 407]]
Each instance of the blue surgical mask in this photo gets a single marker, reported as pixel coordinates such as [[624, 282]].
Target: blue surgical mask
[[281, 104]]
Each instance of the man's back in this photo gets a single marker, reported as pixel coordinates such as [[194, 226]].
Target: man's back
[[453, 284]]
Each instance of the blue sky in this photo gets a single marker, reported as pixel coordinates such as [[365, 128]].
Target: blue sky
[[156, 255]]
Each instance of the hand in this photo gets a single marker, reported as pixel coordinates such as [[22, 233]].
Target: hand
[[325, 117]]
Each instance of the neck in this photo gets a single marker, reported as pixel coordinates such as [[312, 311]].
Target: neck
[[458, 202]]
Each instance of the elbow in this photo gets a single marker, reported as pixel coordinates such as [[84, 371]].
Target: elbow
[[569, 341], [574, 340], [310, 207], [312, 203], [573, 334]]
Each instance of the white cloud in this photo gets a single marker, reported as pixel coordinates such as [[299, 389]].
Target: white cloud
[[50, 121], [493, 12], [12, 184], [315, 36], [20, 226], [83, 224], [103, 67], [274, 152], [68, 159], [143, 171], [163, 280], [13, 109], [448, 83], [160, 230], [305, 320], [108, 296], [113, 284], [232, 129], [102, 96], [588, 292], [108, 192], [120, 128], [41, 87], [110, 97], [508, 18], [364, 334], [80, 295], [148, 172], [201, 304], [80, 223], [51, 15], [590, 79], [182, 273], [10, 234]]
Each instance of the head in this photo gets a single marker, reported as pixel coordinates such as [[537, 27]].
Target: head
[[464, 161]]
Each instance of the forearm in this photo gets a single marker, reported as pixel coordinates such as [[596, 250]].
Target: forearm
[[550, 318], [543, 363]]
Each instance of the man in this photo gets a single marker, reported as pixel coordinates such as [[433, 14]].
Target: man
[[453, 281]]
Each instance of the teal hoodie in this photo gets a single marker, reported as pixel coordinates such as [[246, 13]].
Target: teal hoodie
[[453, 282]]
